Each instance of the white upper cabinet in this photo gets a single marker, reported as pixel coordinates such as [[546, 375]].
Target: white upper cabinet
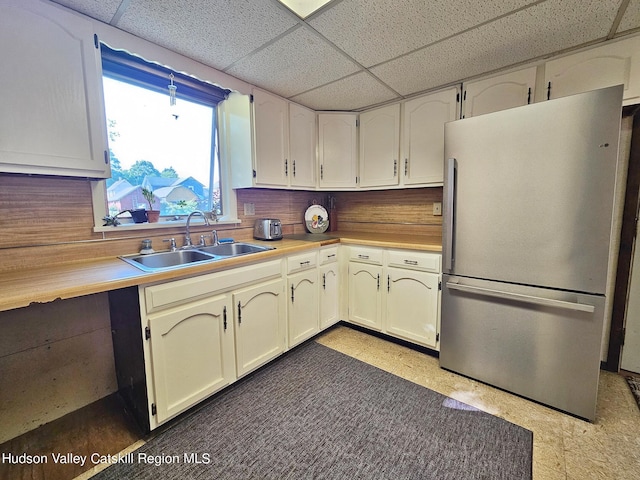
[[302, 146], [337, 150], [380, 146], [612, 64], [284, 142], [423, 122], [271, 138], [501, 92], [52, 116]]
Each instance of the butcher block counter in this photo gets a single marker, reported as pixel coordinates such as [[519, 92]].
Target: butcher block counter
[[21, 288]]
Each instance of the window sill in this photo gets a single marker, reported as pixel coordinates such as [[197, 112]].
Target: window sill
[[131, 227]]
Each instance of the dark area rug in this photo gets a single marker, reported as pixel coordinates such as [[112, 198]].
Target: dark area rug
[[634, 385], [318, 414]]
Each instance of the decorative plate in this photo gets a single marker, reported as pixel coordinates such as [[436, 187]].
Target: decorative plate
[[316, 219]]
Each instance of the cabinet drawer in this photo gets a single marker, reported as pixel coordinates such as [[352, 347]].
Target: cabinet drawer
[[427, 262], [365, 255], [328, 255], [304, 261], [161, 296]]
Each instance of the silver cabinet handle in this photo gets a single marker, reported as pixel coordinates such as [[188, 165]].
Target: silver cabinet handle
[[411, 262], [549, 302], [363, 257]]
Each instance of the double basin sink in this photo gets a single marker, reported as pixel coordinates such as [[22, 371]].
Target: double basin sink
[[155, 262]]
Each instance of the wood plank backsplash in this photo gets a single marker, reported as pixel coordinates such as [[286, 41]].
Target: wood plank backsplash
[[36, 210], [405, 210], [51, 218]]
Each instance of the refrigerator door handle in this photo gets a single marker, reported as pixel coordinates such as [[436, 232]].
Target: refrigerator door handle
[[549, 302], [447, 227]]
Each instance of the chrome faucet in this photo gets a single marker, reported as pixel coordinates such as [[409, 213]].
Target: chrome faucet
[[214, 237], [172, 244], [187, 235]]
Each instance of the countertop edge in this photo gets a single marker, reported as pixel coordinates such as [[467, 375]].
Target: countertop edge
[[45, 285]]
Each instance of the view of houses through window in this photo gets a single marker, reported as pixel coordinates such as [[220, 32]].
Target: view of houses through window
[[170, 150]]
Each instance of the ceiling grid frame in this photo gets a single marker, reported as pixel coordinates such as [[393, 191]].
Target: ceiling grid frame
[[334, 60]]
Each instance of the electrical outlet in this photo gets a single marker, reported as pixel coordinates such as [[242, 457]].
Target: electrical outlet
[[437, 208], [249, 208]]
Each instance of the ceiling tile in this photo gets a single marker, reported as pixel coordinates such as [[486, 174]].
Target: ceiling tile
[[214, 32], [374, 32], [631, 17], [539, 30], [351, 93], [103, 10], [298, 61]]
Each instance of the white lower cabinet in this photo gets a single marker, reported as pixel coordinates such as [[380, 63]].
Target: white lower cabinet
[[329, 280], [202, 333], [303, 306], [302, 293], [192, 353], [412, 306], [396, 292], [365, 295], [260, 326]]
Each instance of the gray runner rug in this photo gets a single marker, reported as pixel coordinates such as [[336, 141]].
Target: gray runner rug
[[315, 413]]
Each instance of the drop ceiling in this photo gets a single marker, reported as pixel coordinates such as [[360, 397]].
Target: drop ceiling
[[354, 54]]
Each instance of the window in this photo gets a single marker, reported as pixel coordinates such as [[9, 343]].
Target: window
[[171, 150]]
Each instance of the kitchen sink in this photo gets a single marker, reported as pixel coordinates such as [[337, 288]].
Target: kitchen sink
[[167, 260], [234, 249], [181, 258]]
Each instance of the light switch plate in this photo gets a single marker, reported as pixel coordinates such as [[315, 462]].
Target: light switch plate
[[437, 208]]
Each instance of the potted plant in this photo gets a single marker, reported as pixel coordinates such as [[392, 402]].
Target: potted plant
[[152, 215]]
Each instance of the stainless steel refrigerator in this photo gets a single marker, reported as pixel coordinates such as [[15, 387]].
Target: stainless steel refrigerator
[[528, 204]]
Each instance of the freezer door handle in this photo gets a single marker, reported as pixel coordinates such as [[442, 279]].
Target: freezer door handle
[[549, 302], [447, 228]]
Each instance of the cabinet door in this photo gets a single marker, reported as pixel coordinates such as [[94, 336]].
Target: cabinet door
[[423, 136], [612, 64], [52, 117], [260, 324], [412, 305], [302, 146], [510, 90], [379, 146], [365, 295], [271, 133], [337, 150], [329, 288], [192, 353], [302, 313]]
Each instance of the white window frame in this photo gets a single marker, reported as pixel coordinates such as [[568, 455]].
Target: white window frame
[[228, 198]]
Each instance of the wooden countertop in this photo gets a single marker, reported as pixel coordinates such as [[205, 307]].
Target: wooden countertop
[[21, 288]]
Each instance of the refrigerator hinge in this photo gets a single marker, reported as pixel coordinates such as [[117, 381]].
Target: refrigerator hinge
[[147, 333], [154, 410]]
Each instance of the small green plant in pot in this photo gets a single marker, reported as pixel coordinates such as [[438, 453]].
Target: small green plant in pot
[[152, 215]]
